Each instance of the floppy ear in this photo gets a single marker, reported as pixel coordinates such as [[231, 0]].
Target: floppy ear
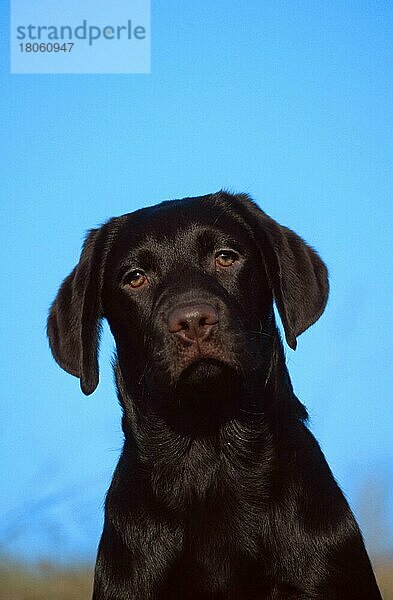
[[297, 276], [74, 318]]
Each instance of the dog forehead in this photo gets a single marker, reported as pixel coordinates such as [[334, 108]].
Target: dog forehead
[[177, 222]]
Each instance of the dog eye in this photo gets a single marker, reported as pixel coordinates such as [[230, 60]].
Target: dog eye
[[226, 258], [135, 279]]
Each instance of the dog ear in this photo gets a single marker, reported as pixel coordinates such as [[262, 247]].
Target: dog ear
[[75, 316], [297, 275]]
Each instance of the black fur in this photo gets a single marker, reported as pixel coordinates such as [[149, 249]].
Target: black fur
[[221, 491]]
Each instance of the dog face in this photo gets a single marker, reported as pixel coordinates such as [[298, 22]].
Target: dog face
[[187, 288], [186, 295]]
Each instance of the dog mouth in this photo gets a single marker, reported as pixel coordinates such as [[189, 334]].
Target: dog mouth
[[198, 364], [202, 364]]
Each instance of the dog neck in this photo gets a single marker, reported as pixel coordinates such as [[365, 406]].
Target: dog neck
[[236, 437]]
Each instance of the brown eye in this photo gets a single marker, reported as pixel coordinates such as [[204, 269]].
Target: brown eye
[[136, 279], [226, 258]]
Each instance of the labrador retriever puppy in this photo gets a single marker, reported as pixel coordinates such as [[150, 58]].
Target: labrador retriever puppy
[[221, 491]]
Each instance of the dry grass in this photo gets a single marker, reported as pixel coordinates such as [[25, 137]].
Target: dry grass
[[384, 571], [46, 582]]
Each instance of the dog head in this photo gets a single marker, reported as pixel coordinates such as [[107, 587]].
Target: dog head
[[187, 287]]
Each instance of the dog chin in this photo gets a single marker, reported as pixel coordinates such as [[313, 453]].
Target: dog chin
[[207, 375]]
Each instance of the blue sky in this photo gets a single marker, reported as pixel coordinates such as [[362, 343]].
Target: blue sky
[[289, 101]]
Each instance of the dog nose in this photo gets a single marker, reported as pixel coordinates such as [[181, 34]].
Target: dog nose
[[192, 323]]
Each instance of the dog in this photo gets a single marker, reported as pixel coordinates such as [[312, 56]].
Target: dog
[[221, 491]]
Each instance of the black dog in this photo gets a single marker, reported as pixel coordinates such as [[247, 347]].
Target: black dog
[[221, 491]]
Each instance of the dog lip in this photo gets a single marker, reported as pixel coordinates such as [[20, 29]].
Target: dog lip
[[200, 354], [195, 351], [200, 360]]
